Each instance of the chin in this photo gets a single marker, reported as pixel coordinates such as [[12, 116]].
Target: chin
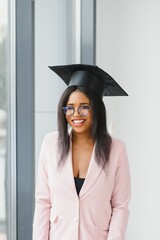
[[79, 131]]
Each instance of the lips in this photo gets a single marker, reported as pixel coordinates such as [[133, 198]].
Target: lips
[[78, 122]]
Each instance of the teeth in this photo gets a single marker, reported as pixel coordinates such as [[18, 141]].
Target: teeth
[[78, 121]]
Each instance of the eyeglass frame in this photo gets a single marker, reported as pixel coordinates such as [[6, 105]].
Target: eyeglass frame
[[78, 109]]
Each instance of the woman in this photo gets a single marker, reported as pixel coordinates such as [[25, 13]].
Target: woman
[[83, 182]]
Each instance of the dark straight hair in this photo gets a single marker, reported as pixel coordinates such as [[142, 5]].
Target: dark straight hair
[[99, 126]]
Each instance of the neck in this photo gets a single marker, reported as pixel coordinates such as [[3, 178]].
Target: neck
[[82, 137]]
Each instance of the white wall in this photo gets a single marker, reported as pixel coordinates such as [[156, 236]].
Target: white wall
[[128, 48]]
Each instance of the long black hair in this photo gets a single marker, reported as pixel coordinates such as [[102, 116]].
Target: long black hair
[[99, 126]]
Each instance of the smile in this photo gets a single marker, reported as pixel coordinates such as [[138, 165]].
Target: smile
[[78, 122]]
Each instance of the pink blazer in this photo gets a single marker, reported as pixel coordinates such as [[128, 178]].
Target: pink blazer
[[101, 210]]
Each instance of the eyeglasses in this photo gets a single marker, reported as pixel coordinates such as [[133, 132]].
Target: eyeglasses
[[82, 110]]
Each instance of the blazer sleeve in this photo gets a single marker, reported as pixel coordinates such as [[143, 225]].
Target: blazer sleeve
[[42, 199], [120, 198]]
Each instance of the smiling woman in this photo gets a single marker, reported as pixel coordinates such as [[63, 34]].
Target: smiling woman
[[83, 182]]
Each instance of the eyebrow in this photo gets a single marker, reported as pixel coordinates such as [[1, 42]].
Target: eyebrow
[[72, 104]]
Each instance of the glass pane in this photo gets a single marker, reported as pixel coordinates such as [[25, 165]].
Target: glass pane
[[3, 114]]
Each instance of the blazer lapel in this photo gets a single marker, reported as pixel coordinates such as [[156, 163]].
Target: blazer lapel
[[68, 173], [92, 175]]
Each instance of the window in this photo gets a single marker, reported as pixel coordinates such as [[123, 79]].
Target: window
[[7, 122], [3, 115]]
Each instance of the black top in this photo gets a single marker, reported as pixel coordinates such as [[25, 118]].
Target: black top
[[79, 183]]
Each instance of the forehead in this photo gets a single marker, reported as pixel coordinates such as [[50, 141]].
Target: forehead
[[77, 98]]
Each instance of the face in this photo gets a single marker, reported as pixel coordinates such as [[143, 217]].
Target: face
[[79, 123]]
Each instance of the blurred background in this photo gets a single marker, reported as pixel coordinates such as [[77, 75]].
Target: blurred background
[[3, 114], [121, 37]]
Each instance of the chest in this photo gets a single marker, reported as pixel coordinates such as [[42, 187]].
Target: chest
[[81, 157]]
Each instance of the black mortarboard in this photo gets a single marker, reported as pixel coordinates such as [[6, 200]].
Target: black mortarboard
[[89, 76]]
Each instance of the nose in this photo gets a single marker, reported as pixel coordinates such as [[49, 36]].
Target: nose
[[76, 112]]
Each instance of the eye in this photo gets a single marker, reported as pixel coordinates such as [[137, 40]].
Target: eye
[[85, 107], [68, 110], [84, 110], [68, 107]]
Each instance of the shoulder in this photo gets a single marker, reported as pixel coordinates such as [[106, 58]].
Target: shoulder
[[51, 138], [117, 144], [52, 135], [118, 152]]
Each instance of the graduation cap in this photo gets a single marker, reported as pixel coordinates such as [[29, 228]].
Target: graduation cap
[[89, 76]]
